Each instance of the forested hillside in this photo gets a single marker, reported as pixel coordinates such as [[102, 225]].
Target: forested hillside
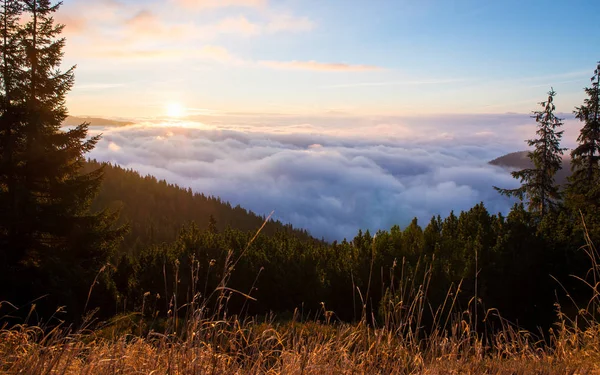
[[93, 121], [520, 160], [155, 210], [509, 259]]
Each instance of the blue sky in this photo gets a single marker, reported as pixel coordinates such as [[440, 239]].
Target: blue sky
[[144, 58]]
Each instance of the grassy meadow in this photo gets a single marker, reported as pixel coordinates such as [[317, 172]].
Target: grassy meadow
[[203, 338]]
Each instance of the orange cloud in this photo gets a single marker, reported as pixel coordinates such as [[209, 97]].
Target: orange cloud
[[73, 25], [318, 66], [237, 25], [143, 20], [222, 55], [128, 54], [207, 52], [81, 17], [240, 25], [219, 54], [146, 24], [202, 4]]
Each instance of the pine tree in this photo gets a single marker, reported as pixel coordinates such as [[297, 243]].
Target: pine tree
[[11, 72], [584, 182], [212, 224], [537, 183], [54, 236]]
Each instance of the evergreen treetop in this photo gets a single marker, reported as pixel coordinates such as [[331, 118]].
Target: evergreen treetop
[[537, 183], [585, 167]]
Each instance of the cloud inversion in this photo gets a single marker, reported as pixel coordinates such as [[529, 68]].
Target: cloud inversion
[[368, 176]]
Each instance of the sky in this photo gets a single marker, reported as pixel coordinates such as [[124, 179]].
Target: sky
[[153, 58], [338, 115]]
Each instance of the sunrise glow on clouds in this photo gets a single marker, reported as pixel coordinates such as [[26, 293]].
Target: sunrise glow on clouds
[[338, 114], [317, 57]]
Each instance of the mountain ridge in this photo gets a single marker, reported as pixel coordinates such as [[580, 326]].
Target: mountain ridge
[[519, 160], [94, 121], [156, 210]]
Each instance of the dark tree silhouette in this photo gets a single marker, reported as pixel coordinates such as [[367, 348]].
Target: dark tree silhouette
[[537, 183], [50, 234], [584, 183]]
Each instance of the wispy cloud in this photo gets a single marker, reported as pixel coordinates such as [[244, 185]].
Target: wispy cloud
[[552, 83], [110, 25], [146, 25], [207, 4], [219, 54], [318, 66], [239, 25], [74, 25], [286, 22], [144, 20], [275, 23], [83, 18], [396, 83], [208, 52], [140, 54], [565, 75], [97, 86]]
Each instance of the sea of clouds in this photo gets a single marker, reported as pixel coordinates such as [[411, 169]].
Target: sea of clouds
[[330, 175]]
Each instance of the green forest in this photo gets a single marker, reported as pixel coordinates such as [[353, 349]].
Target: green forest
[[78, 236], [83, 241]]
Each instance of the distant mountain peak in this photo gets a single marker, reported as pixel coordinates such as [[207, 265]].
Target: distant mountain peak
[[94, 121], [519, 160]]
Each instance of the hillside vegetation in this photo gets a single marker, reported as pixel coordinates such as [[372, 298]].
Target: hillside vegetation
[[156, 210]]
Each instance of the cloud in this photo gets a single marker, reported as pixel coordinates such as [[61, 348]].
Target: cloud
[[113, 147], [82, 19], [140, 54], [206, 53], [318, 66], [220, 54], [237, 25], [207, 4], [330, 176], [130, 31], [397, 83], [275, 23], [286, 22], [564, 75], [148, 26], [74, 25], [144, 20], [97, 86]]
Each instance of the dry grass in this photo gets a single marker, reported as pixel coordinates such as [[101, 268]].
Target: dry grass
[[310, 348], [221, 344]]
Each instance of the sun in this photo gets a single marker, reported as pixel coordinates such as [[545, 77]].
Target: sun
[[175, 109]]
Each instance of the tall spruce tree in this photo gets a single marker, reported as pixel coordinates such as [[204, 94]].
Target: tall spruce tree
[[537, 183], [584, 183], [11, 101], [53, 237]]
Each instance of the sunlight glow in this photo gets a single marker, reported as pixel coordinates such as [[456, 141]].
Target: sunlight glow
[[175, 109]]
